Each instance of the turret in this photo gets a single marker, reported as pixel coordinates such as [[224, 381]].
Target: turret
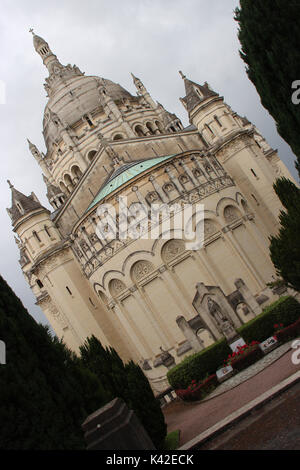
[[54, 195], [31, 221], [39, 157], [208, 112]]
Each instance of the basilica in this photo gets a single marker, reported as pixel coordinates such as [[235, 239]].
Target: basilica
[[149, 298]]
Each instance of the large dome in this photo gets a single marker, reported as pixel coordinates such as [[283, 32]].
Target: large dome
[[75, 97]]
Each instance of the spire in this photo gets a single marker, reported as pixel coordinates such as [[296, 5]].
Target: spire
[[195, 93], [54, 195], [34, 151], [142, 91], [57, 71], [21, 204]]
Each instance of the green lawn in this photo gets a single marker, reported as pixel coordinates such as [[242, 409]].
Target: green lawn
[[172, 440]]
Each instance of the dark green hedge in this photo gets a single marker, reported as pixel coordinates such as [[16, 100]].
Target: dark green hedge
[[286, 310], [197, 366]]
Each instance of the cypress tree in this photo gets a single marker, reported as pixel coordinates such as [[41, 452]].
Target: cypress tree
[[145, 405], [127, 382], [269, 33], [285, 246], [45, 393]]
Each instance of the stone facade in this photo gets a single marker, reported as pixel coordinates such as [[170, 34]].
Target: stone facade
[[145, 296]]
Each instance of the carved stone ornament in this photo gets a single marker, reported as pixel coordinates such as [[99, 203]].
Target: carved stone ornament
[[116, 286], [172, 249], [230, 214], [141, 269]]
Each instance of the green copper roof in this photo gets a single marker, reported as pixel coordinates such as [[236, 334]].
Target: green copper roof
[[124, 174]]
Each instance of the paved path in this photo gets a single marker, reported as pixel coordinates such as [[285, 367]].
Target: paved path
[[275, 426], [192, 419]]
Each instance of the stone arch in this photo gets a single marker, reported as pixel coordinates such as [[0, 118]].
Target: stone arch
[[140, 270], [68, 182], [116, 287], [91, 155], [150, 127], [118, 137], [63, 187], [205, 336], [138, 129], [159, 126], [245, 206], [76, 173], [231, 213], [223, 202], [172, 249], [103, 297]]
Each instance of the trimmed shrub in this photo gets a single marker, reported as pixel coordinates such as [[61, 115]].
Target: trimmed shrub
[[247, 359], [199, 365], [289, 332], [198, 391], [286, 310]]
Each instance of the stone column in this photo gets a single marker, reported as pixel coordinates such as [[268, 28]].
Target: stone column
[[189, 173], [85, 236], [244, 258], [174, 180], [144, 302], [176, 291], [137, 345], [158, 189]]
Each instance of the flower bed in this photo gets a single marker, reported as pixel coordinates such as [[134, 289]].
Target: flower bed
[[197, 391], [244, 357], [290, 332]]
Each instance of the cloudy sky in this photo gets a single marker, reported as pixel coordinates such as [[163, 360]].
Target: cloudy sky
[[154, 39]]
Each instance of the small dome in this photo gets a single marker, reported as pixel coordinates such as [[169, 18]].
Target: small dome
[[38, 41]]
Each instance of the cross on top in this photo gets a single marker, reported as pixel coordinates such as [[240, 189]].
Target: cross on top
[[31, 31]]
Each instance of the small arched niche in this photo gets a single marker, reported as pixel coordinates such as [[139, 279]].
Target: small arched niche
[[116, 287], [231, 213], [141, 269]]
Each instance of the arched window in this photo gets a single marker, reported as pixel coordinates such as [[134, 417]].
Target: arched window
[[68, 182], [91, 155], [39, 283], [150, 128], [218, 121], [36, 236], [76, 172], [69, 290], [47, 231], [253, 173], [139, 131], [159, 126], [118, 137], [88, 120], [209, 129]]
